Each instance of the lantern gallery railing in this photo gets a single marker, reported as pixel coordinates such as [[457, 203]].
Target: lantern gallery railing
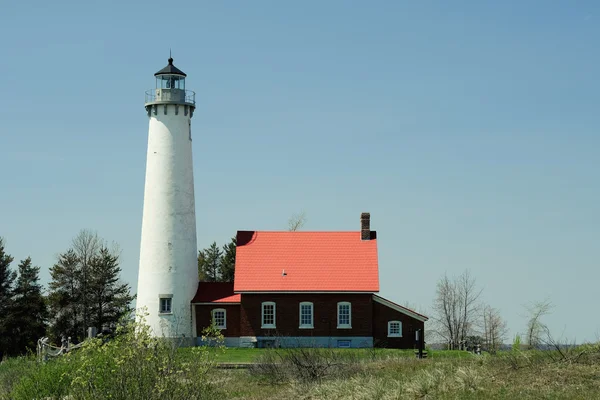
[[187, 96]]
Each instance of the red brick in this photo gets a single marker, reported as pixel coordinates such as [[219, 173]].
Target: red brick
[[381, 316]]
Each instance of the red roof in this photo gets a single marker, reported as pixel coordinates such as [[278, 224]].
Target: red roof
[[305, 262], [216, 292]]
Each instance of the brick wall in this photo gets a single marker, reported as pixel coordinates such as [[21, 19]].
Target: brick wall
[[381, 315], [204, 318], [288, 318]]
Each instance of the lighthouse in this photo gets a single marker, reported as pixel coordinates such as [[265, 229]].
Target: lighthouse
[[168, 270]]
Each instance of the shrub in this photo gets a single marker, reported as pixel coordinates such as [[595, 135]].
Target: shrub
[[12, 370], [133, 365], [305, 364]]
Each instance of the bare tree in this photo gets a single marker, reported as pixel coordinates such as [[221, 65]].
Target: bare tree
[[495, 329], [297, 221], [535, 327], [86, 245], [468, 296], [456, 308], [446, 310]]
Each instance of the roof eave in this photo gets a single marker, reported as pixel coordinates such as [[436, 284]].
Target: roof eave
[[400, 308], [259, 291]]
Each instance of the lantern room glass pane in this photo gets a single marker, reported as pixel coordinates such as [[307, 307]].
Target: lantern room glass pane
[[170, 82]]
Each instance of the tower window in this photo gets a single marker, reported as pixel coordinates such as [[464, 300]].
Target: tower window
[[165, 304]]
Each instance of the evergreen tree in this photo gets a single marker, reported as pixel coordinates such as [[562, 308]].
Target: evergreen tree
[[65, 295], [7, 278], [212, 262], [110, 299], [29, 313], [201, 261], [85, 290], [227, 266]]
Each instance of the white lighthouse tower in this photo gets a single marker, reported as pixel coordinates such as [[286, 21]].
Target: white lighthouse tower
[[168, 272]]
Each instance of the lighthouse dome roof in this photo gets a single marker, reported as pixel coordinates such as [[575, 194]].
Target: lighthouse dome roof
[[170, 69]]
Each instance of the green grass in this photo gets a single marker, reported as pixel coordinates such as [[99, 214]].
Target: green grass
[[239, 355], [11, 372]]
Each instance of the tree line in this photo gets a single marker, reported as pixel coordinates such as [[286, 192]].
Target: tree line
[[462, 320], [217, 264], [85, 291]]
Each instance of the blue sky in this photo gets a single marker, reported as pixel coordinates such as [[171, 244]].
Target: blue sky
[[469, 130]]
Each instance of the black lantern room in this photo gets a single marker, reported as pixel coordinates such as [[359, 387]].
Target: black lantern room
[[170, 77]]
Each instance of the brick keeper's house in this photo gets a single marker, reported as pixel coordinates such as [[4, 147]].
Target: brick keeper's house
[[306, 289]]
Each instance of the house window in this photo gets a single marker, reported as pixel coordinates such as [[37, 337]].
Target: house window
[[219, 318], [394, 329], [268, 314], [164, 304], [306, 315], [344, 315]]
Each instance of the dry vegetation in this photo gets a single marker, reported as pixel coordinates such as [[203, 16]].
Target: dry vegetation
[[306, 374]]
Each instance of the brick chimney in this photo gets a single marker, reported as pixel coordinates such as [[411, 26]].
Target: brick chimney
[[365, 226]]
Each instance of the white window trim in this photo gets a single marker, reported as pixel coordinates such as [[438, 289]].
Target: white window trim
[[262, 315], [160, 298], [212, 314], [344, 326], [390, 326], [312, 315]]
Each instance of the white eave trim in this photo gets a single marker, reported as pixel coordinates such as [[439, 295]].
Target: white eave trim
[[306, 292], [398, 308], [216, 304]]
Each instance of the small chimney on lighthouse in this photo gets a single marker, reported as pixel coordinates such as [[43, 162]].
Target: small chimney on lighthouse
[[365, 226]]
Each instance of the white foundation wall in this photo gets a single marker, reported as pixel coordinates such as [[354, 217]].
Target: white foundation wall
[[168, 250], [304, 341]]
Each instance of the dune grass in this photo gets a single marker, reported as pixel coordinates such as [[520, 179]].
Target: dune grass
[[350, 374]]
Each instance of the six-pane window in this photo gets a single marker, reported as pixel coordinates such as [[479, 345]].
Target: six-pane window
[[165, 305], [306, 315], [218, 317], [344, 315], [394, 328], [268, 315]]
